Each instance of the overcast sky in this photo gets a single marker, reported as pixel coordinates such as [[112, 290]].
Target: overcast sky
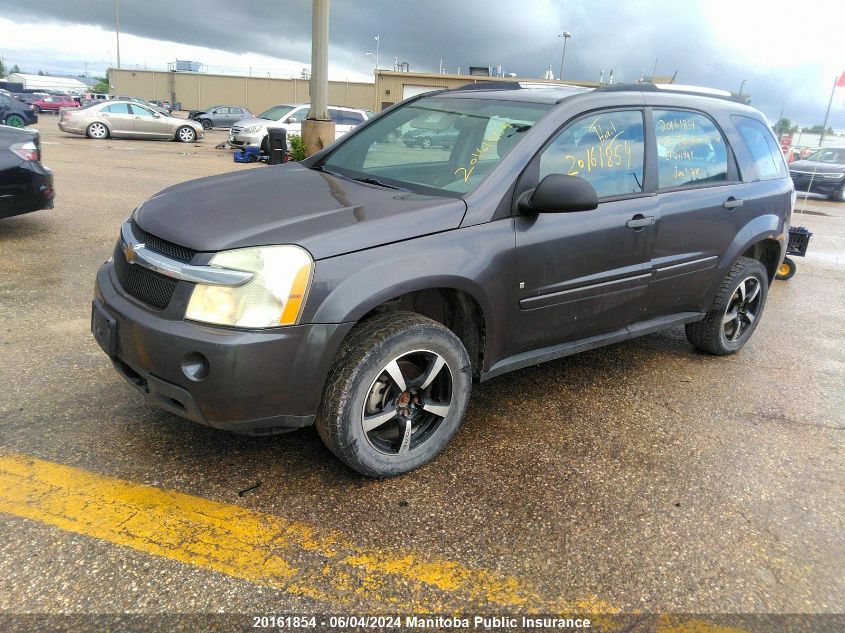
[[790, 53]]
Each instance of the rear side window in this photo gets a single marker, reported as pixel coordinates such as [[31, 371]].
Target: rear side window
[[605, 149], [767, 156], [117, 108], [691, 150]]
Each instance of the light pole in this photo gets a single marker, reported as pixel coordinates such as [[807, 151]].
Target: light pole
[[318, 128], [117, 29], [741, 86], [377, 38], [565, 35]]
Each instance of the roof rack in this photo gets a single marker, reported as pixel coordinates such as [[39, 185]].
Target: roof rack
[[700, 91], [489, 85]]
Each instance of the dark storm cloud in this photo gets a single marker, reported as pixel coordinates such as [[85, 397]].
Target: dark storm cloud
[[521, 36]]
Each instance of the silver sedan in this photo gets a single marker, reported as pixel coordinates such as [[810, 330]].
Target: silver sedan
[[125, 119]]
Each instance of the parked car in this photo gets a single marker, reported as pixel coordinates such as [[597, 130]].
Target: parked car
[[164, 105], [25, 184], [53, 103], [220, 116], [125, 119], [821, 172], [431, 138], [252, 132], [15, 113], [369, 297]]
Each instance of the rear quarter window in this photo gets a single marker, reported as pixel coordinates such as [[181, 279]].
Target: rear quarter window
[[767, 156]]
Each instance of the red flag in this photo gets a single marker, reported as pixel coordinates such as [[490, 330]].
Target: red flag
[[840, 83]]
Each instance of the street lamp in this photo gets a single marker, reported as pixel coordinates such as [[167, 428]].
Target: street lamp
[[565, 35], [377, 38], [741, 86]]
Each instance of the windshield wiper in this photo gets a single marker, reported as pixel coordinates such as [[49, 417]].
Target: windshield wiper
[[374, 181]]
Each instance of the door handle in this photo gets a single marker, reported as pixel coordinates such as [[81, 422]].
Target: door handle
[[732, 203], [640, 222]]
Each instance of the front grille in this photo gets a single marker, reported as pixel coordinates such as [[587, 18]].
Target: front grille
[[142, 283], [160, 246]]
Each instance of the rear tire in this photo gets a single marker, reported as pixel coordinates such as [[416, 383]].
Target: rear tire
[[786, 270], [395, 395], [735, 312], [15, 120], [97, 131]]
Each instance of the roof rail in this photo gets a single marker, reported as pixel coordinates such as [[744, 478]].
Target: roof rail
[[490, 85], [700, 91]]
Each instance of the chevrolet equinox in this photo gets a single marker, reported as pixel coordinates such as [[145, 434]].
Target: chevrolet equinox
[[367, 287]]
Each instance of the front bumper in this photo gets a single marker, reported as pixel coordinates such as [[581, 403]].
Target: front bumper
[[820, 185], [258, 382], [246, 140]]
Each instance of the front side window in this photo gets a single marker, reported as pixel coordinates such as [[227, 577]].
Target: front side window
[[691, 150], [767, 156], [298, 116], [436, 145], [351, 118], [606, 149]]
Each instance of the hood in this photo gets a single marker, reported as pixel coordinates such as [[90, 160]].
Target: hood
[[818, 166], [254, 121], [291, 204]]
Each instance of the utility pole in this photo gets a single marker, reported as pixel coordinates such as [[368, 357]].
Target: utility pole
[[117, 29], [318, 128], [377, 38]]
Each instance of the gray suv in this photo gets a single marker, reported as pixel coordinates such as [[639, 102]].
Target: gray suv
[[365, 289]]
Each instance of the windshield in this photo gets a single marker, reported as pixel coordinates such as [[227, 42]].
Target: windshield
[[435, 145], [275, 113], [834, 155]]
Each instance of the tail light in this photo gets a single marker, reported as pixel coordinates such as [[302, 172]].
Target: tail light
[[27, 151]]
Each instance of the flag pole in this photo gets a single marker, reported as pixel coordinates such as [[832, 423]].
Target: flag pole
[[827, 115]]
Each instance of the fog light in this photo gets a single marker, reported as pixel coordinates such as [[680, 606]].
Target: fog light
[[195, 366]]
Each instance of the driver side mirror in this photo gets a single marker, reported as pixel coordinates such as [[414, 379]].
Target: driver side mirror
[[557, 193], [156, 115]]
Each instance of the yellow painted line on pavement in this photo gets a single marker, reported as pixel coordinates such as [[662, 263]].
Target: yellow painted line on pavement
[[258, 547]]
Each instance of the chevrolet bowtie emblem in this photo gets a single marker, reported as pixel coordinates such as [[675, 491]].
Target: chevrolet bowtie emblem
[[129, 252]]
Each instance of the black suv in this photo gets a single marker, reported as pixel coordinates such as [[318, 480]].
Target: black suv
[[365, 289]]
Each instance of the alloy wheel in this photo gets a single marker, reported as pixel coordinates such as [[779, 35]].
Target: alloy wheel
[[14, 120], [98, 130], [186, 134], [743, 309], [407, 402]]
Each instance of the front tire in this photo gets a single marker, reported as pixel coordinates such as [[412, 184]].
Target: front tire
[[206, 124], [425, 143], [839, 196], [735, 312], [97, 131], [395, 395], [186, 134], [36, 109]]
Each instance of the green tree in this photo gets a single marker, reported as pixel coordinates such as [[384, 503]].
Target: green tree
[[783, 126], [2, 69], [816, 129], [42, 73], [102, 84], [15, 69], [297, 148]]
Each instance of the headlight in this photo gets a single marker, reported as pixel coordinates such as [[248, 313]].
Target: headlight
[[273, 297], [252, 129]]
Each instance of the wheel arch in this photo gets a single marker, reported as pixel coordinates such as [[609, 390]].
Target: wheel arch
[[455, 302], [764, 238]]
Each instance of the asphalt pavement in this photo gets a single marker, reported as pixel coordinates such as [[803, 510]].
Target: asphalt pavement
[[640, 477]]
